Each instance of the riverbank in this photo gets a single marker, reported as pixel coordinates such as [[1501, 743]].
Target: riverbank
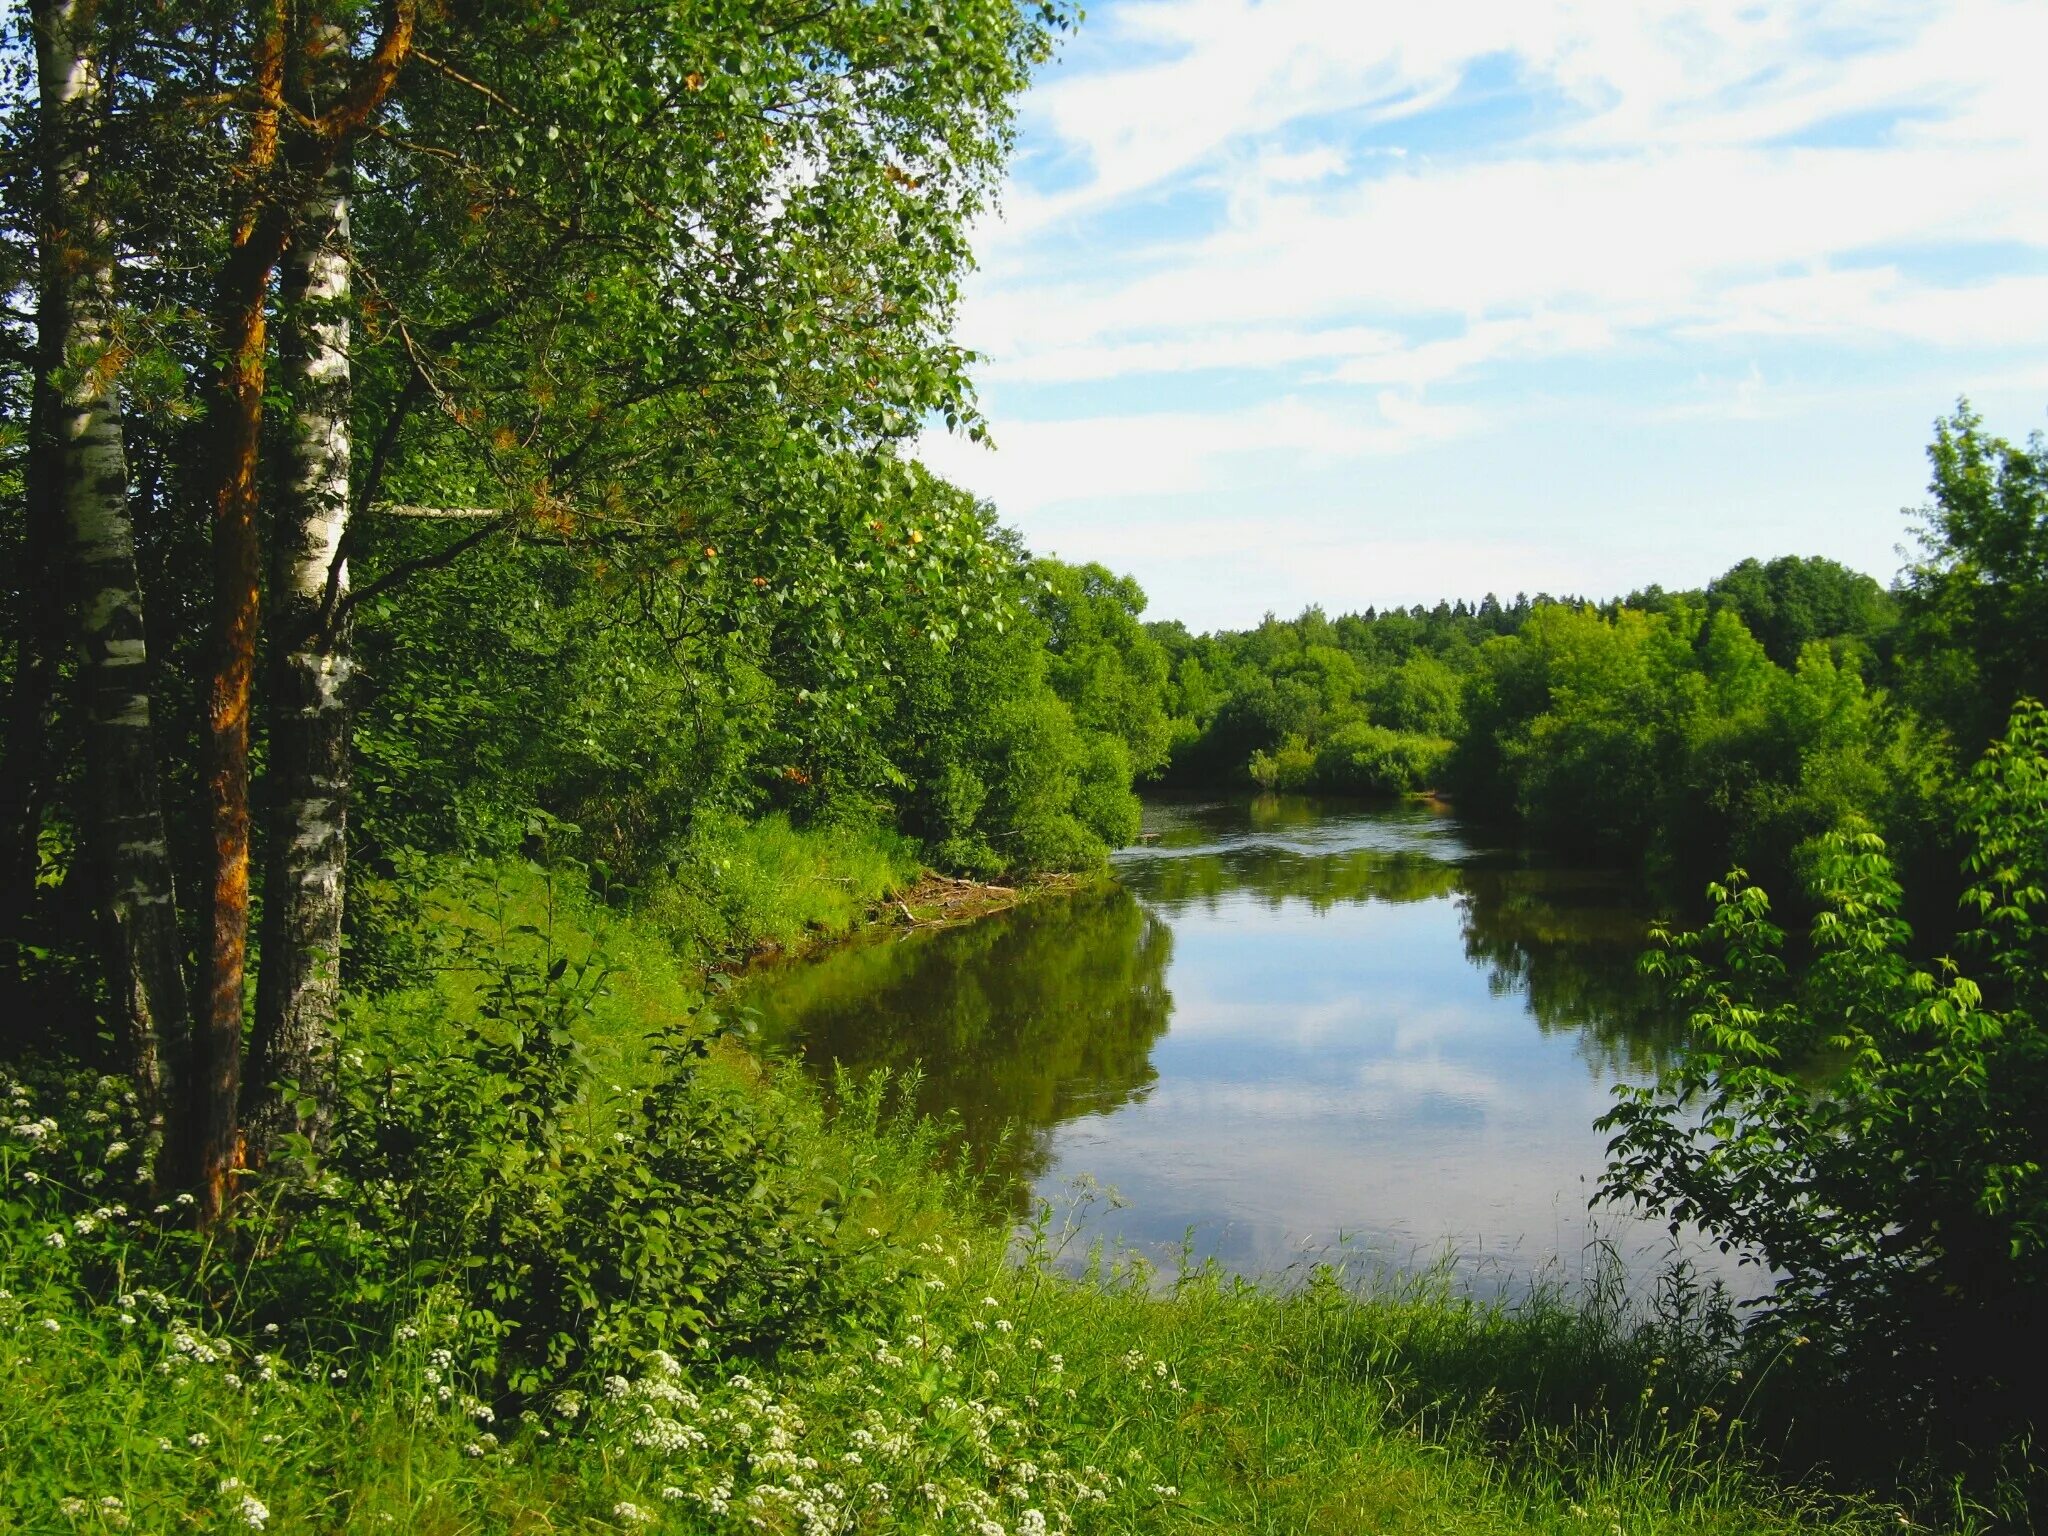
[[918, 1376]]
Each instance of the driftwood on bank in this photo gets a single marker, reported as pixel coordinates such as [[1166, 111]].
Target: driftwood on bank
[[944, 901]]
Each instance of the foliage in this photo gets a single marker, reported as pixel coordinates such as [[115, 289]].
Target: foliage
[[1680, 728], [1674, 733], [1110, 672], [1975, 631], [643, 304], [970, 1389], [1789, 603], [1365, 759], [1871, 1130], [1001, 770]]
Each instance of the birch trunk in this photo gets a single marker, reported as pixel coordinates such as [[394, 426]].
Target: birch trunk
[[236, 419], [145, 970], [298, 992]]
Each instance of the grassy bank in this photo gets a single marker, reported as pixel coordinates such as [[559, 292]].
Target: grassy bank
[[700, 1300]]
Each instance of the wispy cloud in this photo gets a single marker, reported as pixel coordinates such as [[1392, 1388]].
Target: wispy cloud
[[1317, 228]]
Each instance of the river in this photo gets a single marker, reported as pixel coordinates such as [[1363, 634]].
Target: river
[[1291, 1032]]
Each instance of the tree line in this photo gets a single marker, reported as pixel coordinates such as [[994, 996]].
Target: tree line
[[1730, 724]]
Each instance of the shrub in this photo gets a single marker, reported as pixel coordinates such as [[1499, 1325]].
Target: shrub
[[1899, 1197], [1368, 759], [1289, 766]]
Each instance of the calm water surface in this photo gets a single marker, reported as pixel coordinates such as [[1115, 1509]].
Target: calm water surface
[[1294, 1031]]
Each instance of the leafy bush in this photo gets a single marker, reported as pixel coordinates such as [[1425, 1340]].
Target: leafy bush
[[1374, 760], [571, 1241], [1873, 1131], [1290, 765]]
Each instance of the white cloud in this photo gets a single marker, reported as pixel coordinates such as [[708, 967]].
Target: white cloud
[[1660, 186], [1165, 453], [1251, 240]]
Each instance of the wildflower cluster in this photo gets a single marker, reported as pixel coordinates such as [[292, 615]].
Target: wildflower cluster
[[930, 1426]]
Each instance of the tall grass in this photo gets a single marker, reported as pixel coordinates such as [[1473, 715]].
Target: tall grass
[[965, 1379]]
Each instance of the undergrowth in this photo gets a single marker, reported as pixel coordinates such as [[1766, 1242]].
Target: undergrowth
[[573, 1258]]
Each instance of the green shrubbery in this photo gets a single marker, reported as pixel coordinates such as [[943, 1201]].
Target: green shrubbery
[[1357, 758], [148, 1383], [1874, 1132], [1377, 760]]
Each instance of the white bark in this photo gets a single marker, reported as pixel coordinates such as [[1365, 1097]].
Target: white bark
[[299, 988], [126, 837]]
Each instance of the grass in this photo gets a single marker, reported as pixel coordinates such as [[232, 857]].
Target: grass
[[741, 890], [989, 1389], [972, 1382]]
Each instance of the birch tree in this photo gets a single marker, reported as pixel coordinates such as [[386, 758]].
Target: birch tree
[[299, 985], [270, 168], [125, 823]]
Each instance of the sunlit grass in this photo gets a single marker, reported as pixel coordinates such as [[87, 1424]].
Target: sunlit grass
[[970, 1381]]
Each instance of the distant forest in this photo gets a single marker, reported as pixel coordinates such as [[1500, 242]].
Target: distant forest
[[1693, 729]]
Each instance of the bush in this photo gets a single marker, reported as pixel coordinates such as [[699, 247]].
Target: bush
[[1900, 1197], [468, 1159], [1289, 766], [1366, 759]]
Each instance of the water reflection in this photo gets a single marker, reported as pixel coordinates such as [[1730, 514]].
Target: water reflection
[[1293, 1025], [1019, 1022]]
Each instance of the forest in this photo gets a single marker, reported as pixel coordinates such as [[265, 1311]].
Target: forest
[[1693, 730], [467, 587]]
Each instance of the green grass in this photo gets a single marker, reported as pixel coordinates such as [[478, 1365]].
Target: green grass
[[965, 1387], [1101, 1403], [741, 889]]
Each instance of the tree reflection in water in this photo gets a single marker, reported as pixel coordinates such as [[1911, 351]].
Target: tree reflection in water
[[1019, 1021], [1568, 941], [1051, 1013]]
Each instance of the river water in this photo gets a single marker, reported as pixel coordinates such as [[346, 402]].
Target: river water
[[1291, 1032]]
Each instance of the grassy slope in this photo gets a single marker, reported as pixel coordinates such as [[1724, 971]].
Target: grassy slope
[[1006, 1392]]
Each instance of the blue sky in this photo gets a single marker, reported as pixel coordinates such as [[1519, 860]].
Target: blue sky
[[1361, 303]]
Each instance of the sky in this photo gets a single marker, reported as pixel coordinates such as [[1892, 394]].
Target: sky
[[1355, 302]]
